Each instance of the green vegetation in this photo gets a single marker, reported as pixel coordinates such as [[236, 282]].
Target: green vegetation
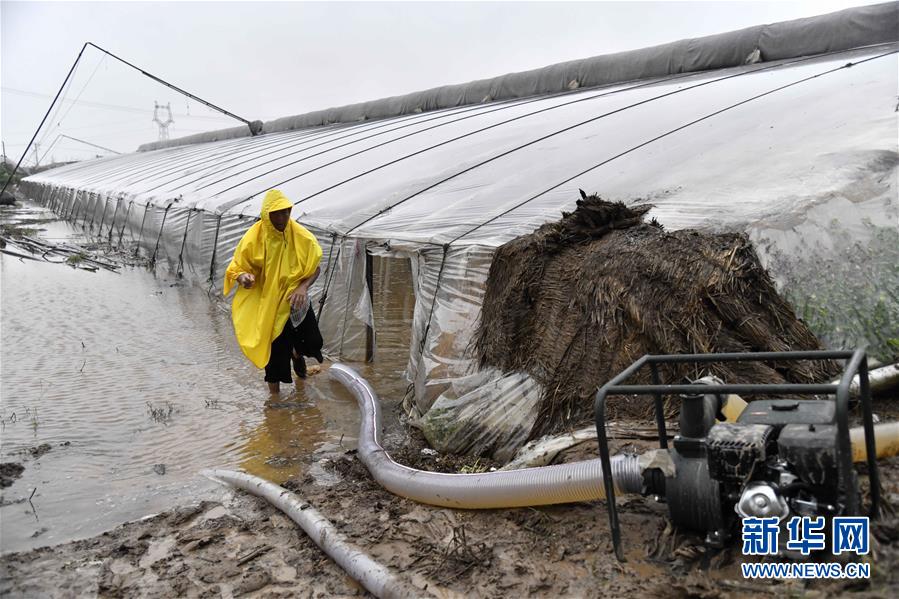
[[33, 419], [848, 294], [17, 230], [476, 468], [5, 171]]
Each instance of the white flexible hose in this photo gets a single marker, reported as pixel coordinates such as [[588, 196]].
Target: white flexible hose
[[565, 483], [376, 579], [581, 481], [880, 380]]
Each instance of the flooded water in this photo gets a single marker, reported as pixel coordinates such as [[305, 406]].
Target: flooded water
[[135, 382]]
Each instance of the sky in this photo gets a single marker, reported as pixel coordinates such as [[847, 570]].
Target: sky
[[264, 60]]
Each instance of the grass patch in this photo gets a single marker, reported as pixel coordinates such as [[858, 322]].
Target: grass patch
[[161, 414], [17, 230]]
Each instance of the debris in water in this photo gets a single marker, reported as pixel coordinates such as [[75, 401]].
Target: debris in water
[[35, 452], [40, 450], [161, 414], [10, 471]]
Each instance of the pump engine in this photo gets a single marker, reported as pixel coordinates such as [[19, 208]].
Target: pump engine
[[781, 457]]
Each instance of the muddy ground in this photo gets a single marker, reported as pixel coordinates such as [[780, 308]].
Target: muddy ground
[[240, 546]]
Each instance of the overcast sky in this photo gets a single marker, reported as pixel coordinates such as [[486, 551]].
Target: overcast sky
[[266, 60]]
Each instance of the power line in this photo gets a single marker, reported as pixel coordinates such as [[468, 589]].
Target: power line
[[255, 127], [90, 103], [83, 87], [93, 104], [70, 128], [66, 90], [36, 131], [61, 136]]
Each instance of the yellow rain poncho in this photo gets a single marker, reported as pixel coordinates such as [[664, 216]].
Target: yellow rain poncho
[[279, 261]]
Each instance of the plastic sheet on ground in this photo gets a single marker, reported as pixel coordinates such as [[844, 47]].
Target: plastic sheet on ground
[[486, 413]]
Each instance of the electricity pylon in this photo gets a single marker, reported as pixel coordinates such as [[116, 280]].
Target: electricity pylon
[[163, 125]]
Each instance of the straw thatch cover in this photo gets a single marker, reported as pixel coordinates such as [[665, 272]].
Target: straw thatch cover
[[579, 300]]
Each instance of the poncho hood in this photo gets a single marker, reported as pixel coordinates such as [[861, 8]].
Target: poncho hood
[[273, 201]]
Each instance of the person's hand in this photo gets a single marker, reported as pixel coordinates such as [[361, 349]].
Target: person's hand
[[298, 297], [246, 280]]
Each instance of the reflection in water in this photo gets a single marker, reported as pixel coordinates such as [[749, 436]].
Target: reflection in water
[[291, 429], [303, 421]]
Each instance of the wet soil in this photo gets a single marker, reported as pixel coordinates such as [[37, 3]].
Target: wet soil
[[241, 546]]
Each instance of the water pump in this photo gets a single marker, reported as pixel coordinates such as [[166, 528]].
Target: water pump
[[781, 456]]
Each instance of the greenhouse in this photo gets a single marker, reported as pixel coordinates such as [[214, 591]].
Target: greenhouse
[[785, 132]]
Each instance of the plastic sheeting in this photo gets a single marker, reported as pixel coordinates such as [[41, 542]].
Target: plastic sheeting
[[451, 177], [443, 325], [485, 413], [774, 149], [841, 30]]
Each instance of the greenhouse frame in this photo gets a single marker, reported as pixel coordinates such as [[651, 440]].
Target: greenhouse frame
[[774, 130]]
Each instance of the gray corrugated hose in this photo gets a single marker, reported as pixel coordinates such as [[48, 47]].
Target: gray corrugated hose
[[565, 483], [377, 579]]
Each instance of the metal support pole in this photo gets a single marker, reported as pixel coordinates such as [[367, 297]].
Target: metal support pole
[[254, 128], [46, 114], [180, 270], [215, 243], [369, 329]]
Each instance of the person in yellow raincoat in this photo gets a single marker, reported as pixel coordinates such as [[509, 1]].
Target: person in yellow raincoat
[[275, 263]]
